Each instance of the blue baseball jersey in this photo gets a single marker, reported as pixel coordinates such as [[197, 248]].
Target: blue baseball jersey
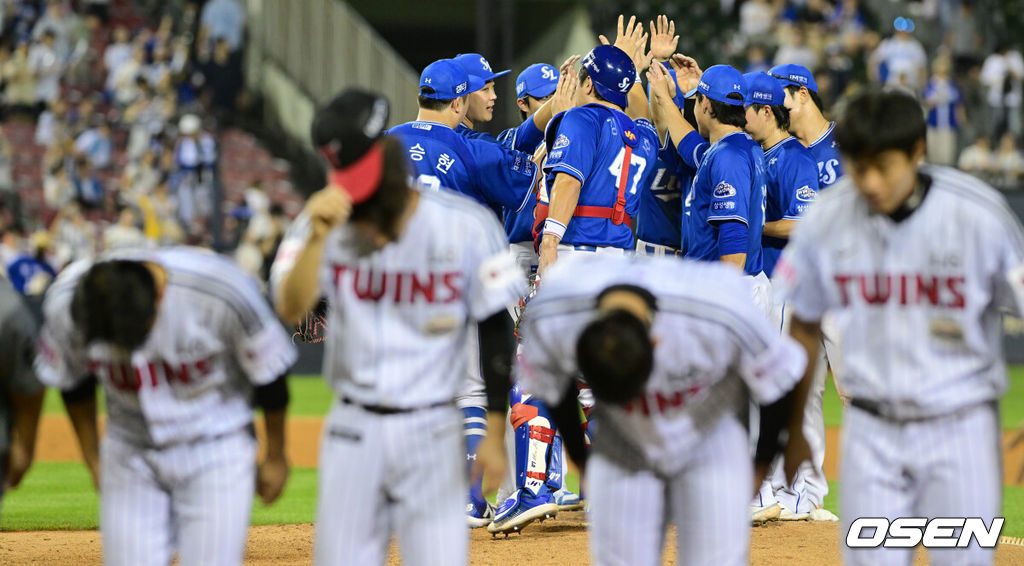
[[826, 153], [482, 170], [689, 152], [660, 219], [526, 137], [792, 181], [729, 186], [588, 143], [464, 130]]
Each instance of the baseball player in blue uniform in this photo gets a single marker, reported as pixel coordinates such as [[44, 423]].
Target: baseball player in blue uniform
[[807, 123], [479, 169], [480, 102], [792, 175], [598, 158], [792, 180], [727, 197]]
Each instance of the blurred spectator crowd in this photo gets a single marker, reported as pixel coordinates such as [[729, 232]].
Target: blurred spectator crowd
[[111, 134], [961, 57]]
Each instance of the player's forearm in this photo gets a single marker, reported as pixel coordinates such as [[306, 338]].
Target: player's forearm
[[668, 117], [779, 228], [565, 195], [274, 430], [300, 288], [739, 260], [637, 103], [81, 408], [808, 335], [544, 114], [26, 409]]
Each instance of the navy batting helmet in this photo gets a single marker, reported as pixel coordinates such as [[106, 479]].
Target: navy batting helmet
[[612, 71]]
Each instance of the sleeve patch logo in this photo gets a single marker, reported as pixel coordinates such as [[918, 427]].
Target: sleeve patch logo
[[806, 193], [727, 205], [560, 142], [724, 190]]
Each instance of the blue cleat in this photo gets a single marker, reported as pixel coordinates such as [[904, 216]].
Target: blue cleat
[[567, 500], [521, 509], [479, 514]]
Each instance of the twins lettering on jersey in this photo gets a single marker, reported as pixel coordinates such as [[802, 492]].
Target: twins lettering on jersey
[[658, 402], [443, 287], [905, 289], [128, 376]]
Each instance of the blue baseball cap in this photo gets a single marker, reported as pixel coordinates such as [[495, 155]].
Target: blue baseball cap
[[796, 75], [763, 88], [448, 80], [537, 80], [476, 65], [718, 82], [612, 72]]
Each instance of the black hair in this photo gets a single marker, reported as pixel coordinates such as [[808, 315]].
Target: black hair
[[584, 75], [615, 355], [385, 206], [116, 302], [880, 119], [727, 113], [428, 103], [815, 97], [780, 112]]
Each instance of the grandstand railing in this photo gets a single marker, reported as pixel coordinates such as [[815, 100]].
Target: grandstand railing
[[302, 53]]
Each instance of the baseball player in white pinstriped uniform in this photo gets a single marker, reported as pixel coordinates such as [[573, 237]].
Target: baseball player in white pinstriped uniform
[[409, 274], [182, 343], [672, 350], [916, 263]]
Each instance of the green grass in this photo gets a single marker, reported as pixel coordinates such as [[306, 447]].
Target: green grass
[[59, 496], [1011, 408], [310, 397]]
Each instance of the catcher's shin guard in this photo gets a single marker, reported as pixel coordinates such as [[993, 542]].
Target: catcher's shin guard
[[537, 447]]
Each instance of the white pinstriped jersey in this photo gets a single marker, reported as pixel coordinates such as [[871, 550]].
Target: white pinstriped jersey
[[710, 341], [214, 338], [918, 303], [398, 322]]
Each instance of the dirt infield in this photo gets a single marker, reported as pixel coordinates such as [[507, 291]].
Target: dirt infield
[[559, 542]]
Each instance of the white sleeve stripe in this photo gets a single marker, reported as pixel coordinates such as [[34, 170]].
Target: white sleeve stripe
[[731, 217]]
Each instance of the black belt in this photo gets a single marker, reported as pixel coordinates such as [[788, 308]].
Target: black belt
[[885, 411], [381, 410]]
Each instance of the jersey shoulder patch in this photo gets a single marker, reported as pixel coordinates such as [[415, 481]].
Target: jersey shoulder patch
[[806, 193], [724, 190]]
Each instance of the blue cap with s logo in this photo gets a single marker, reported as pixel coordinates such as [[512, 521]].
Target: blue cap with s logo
[[476, 65], [537, 80]]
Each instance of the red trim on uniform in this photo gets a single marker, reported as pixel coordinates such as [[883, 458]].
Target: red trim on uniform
[[539, 476]]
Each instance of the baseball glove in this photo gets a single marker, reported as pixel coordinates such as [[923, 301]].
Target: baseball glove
[[312, 329]]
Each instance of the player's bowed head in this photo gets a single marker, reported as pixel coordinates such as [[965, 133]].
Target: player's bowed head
[[881, 136], [615, 352]]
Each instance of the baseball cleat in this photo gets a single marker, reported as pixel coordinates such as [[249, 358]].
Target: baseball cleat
[[479, 515], [521, 509], [822, 514], [567, 500], [761, 515], [787, 515]]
